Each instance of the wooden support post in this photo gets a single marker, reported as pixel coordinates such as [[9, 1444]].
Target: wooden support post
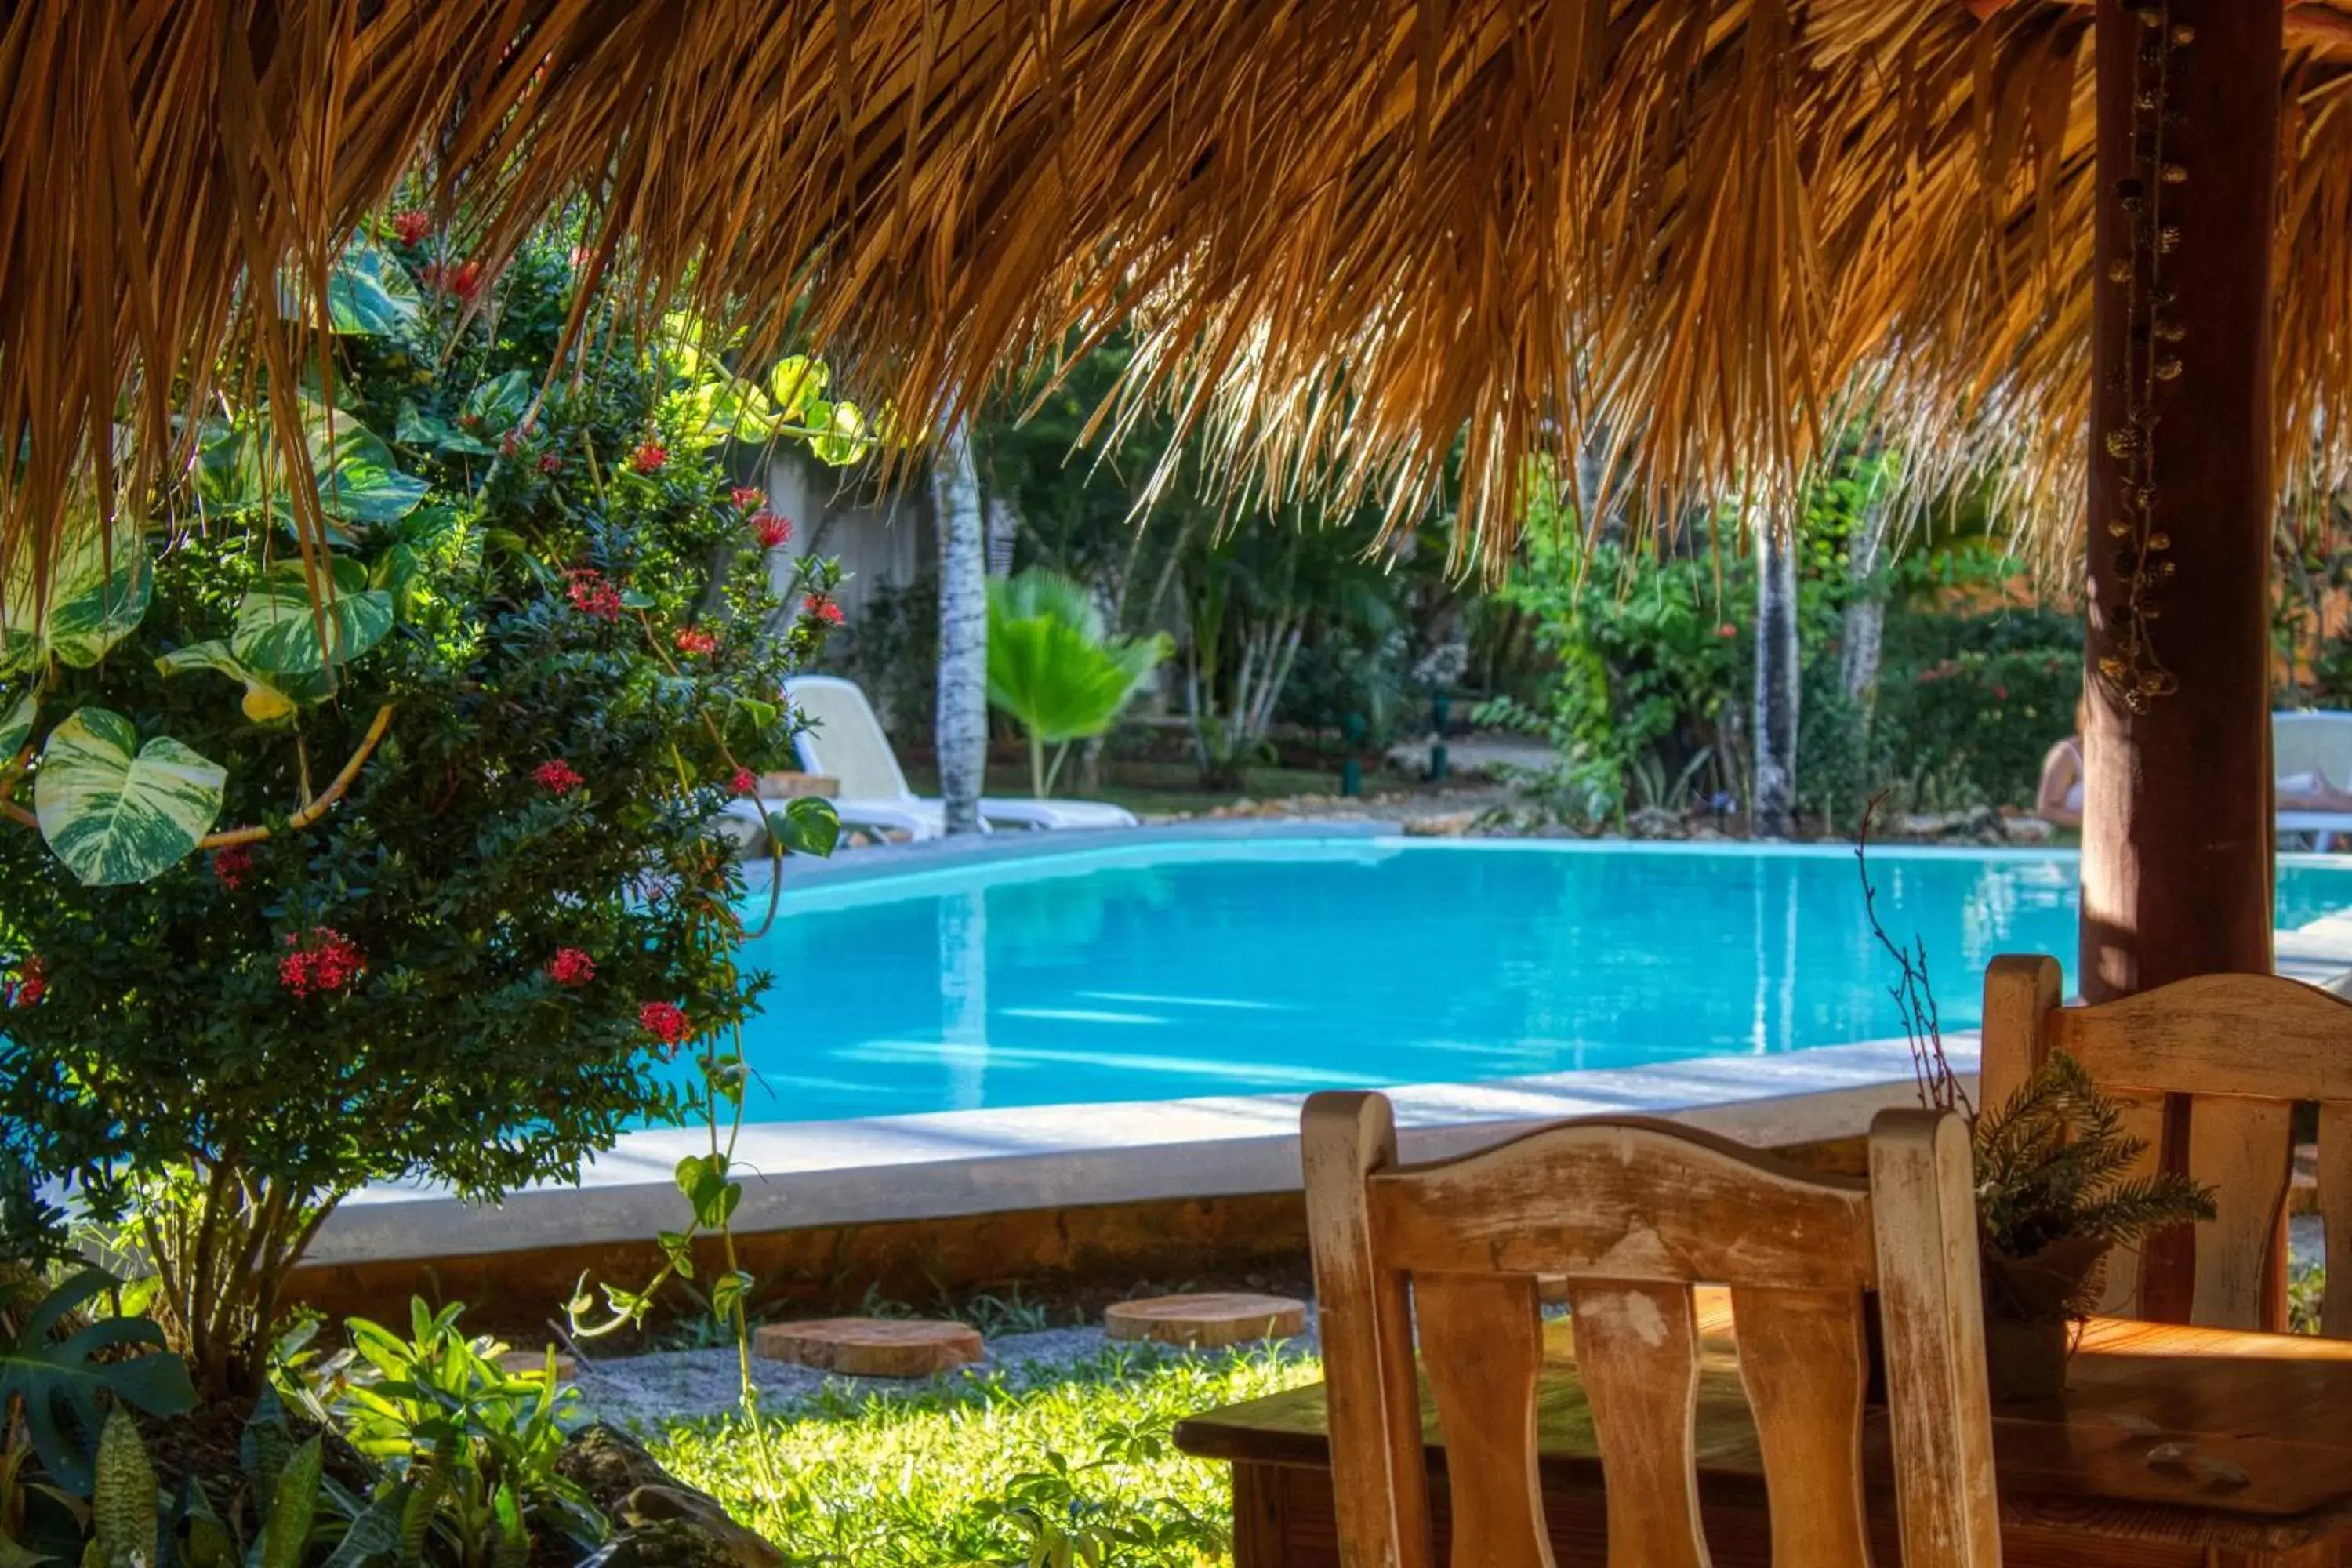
[[2177, 815]]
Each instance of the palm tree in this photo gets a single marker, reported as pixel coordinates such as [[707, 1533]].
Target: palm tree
[[1054, 668], [1772, 809], [961, 728]]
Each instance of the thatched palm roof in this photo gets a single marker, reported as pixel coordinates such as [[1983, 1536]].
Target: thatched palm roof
[[1348, 232]]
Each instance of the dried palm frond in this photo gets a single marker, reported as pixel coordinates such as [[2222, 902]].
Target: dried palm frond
[[1370, 248]]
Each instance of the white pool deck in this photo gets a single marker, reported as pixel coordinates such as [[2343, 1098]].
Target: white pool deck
[[949, 1163]]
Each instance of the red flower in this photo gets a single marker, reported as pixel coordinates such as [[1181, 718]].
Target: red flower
[[557, 776], [665, 1021], [464, 280], [1727, 631], [2000, 694], [412, 226], [592, 595], [571, 966], [695, 640], [549, 463], [230, 864], [745, 781], [34, 983], [823, 608], [649, 457], [326, 961], [747, 498], [772, 530], [511, 443]]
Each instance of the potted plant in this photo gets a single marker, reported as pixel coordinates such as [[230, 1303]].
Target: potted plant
[[2054, 1197], [2053, 1184]]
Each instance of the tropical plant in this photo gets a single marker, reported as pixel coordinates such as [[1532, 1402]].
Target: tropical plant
[[475, 899], [477, 1443], [64, 1365], [1055, 668]]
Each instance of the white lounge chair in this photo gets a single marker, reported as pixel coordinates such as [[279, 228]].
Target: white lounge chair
[[848, 744], [2305, 747]]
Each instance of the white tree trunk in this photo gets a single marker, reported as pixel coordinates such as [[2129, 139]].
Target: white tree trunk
[[1772, 809], [962, 730], [1865, 612]]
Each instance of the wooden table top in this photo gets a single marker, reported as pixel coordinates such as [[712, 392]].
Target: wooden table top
[[2205, 1436]]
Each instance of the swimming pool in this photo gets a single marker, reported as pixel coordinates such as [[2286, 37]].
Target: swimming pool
[[1159, 970]]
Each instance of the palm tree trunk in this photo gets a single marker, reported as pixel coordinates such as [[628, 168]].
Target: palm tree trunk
[[1866, 611], [1772, 811], [962, 727]]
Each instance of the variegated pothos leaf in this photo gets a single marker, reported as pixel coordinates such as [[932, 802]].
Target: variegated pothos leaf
[[279, 632], [115, 811]]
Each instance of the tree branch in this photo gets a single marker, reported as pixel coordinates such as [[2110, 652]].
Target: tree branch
[[323, 803]]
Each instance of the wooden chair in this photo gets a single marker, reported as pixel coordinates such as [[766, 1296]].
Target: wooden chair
[[2246, 1048], [1634, 1213]]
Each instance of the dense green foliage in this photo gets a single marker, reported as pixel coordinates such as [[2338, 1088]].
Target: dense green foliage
[[1652, 652], [564, 625]]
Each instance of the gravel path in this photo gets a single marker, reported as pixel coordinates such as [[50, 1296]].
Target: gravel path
[[643, 1391]]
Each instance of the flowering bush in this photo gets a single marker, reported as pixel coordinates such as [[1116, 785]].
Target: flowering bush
[[469, 890]]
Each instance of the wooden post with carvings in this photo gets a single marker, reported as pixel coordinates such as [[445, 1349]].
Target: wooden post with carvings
[[2178, 814]]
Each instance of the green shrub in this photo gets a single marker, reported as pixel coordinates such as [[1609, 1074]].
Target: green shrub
[[548, 666], [1975, 702]]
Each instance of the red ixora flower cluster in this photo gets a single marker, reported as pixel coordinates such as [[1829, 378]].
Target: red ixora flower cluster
[[665, 1021], [230, 864], [771, 530], [695, 640], [557, 776], [745, 783], [1727, 631], [463, 279], [593, 594], [410, 227], [823, 608], [571, 966], [325, 961], [549, 463], [32, 982], [649, 457], [747, 498]]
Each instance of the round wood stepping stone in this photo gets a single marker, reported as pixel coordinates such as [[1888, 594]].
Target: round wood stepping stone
[[1206, 1322], [526, 1362], [871, 1347]]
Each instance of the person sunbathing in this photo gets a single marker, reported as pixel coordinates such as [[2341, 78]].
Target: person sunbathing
[[2058, 801]]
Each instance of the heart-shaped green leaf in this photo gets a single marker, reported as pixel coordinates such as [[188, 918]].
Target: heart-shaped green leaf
[[795, 383], [496, 405], [16, 725], [369, 292], [844, 439], [98, 593], [266, 695], [279, 632], [807, 825], [115, 811], [359, 481]]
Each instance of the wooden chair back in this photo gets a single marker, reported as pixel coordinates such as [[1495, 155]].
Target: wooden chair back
[[1634, 1213], [2245, 1048]]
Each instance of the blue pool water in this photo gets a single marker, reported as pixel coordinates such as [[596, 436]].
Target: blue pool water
[[1164, 970]]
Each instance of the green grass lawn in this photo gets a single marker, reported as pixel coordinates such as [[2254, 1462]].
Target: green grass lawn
[[986, 1470]]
